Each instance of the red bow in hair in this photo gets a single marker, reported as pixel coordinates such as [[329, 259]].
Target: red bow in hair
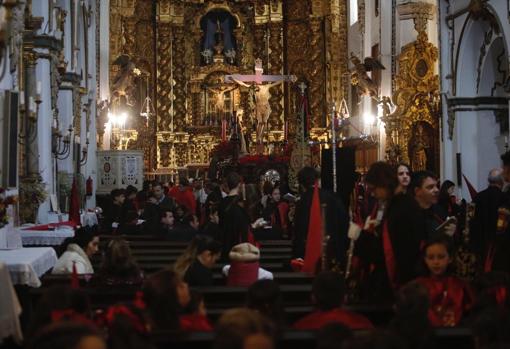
[[135, 321]]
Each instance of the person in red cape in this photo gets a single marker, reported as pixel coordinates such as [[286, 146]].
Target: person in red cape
[[328, 292], [388, 242], [183, 195], [449, 297]]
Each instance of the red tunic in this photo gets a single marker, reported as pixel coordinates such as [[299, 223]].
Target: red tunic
[[449, 299], [184, 198], [318, 319]]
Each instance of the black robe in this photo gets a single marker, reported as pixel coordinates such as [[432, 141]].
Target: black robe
[[337, 223], [407, 230], [234, 223]]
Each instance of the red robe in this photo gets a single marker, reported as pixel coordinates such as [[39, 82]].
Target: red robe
[[319, 319], [184, 198], [449, 299]]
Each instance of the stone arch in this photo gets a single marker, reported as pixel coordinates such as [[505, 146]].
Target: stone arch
[[481, 71]]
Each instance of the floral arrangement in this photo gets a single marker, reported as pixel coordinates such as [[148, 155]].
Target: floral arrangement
[[5, 201], [32, 194]]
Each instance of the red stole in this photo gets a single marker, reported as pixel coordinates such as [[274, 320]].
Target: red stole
[[389, 256], [195, 322], [449, 298]]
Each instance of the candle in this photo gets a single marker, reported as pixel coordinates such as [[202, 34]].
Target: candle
[[39, 87], [31, 103], [506, 140], [54, 123], [88, 134], [22, 97]]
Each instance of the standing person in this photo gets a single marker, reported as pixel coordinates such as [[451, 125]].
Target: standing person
[[337, 220], [449, 296], [483, 225], [113, 213], [183, 195], [234, 220], [447, 199], [404, 177], [276, 213], [426, 194], [389, 242]]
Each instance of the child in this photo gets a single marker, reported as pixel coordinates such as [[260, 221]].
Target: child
[[449, 296]]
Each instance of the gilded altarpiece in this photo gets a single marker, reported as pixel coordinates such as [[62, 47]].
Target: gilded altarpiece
[[306, 38], [412, 129]]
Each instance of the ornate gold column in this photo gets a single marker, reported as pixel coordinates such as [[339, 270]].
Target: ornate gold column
[[316, 73], [276, 67], [164, 77], [180, 79]]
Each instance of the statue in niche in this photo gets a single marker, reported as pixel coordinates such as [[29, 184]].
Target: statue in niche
[[419, 154], [218, 99], [123, 85], [218, 27]]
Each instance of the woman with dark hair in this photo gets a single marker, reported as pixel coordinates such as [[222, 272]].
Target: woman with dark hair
[[77, 254], [195, 264], [165, 294], [265, 297], [276, 213], [119, 266], [389, 240], [447, 200], [404, 177]]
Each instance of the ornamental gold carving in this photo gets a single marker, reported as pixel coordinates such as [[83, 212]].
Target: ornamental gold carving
[[413, 127]]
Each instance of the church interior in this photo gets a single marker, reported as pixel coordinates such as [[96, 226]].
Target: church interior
[[254, 173]]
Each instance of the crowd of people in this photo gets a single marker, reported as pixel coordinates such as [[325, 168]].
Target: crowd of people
[[406, 242]]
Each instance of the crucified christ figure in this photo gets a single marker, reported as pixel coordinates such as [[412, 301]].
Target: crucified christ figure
[[219, 98], [262, 106]]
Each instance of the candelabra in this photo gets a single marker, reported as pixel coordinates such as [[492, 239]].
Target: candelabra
[[84, 153], [29, 113], [61, 145]]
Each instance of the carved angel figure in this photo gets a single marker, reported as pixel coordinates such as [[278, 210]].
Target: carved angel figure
[[123, 83], [360, 78]]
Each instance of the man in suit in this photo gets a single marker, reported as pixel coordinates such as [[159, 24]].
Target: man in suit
[[487, 202]]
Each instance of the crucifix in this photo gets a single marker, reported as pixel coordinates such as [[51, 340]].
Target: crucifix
[[262, 106]]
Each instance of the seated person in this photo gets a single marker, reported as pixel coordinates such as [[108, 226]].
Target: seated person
[[211, 227], [244, 268], [78, 251], [186, 230], [129, 224], [113, 212], [195, 264], [276, 214], [164, 226], [119, 266], [328, 292]]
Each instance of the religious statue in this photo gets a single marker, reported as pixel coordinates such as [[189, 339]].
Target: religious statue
[[218, 100], [419, 156], [123, 83], [262, 106], [242, 130], [218, 27], [360, 78]]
